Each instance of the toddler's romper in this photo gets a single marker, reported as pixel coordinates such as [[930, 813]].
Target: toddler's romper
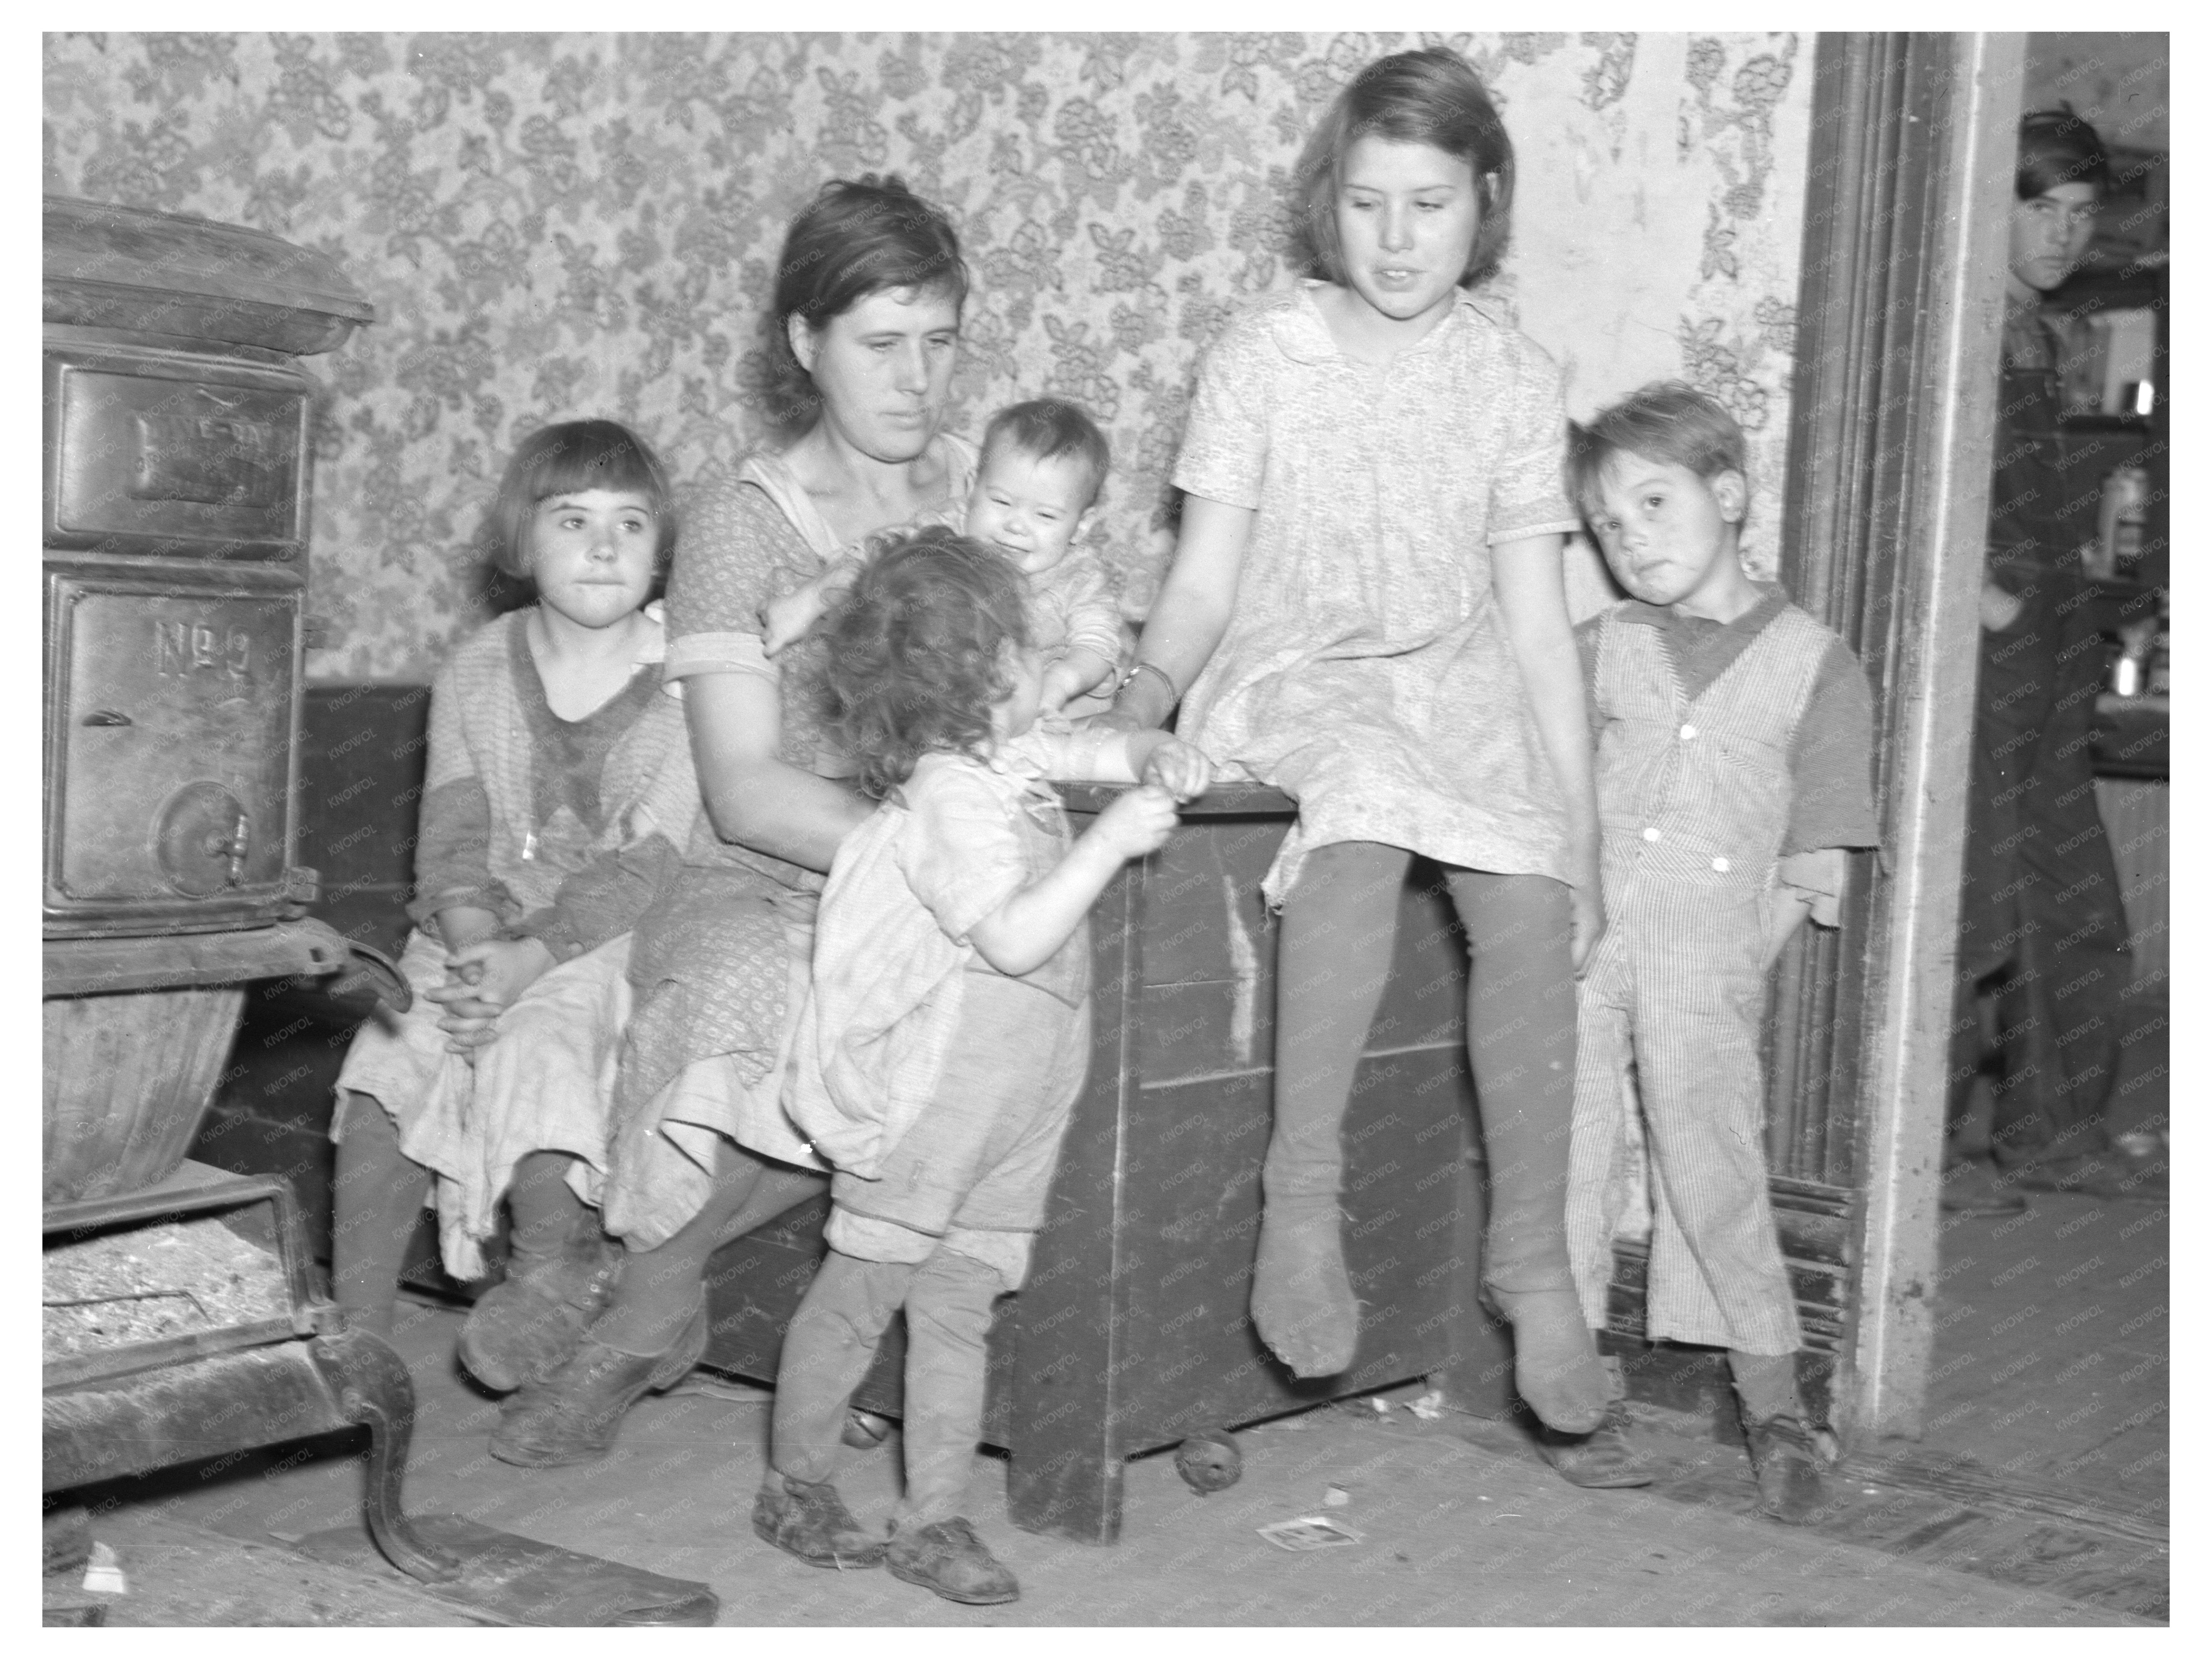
[[1701, 795], [564, 829], [938, 1087]]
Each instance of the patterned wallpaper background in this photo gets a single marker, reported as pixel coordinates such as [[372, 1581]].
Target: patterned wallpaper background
[[558, 225]]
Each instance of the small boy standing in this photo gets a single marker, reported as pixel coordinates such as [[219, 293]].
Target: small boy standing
[[1734, 741], [1036, 500]]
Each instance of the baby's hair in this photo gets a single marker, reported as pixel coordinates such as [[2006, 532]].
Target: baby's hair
[[914, 651], [1666, 421], [2057, 147], [1048, 428], [857, 237], [1429, 97], [571, 456]]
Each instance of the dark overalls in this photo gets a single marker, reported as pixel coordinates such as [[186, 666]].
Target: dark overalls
[[2040, 903]]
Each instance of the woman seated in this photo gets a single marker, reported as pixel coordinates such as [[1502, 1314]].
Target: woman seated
[[863, 339]]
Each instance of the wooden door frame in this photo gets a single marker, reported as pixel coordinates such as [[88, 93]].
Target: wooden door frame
[[1893, 399]]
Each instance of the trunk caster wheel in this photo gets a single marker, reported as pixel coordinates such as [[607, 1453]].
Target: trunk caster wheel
[[1209, 1462], [864, 1430]]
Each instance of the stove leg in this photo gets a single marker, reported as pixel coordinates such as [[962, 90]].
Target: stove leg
[[373, 1388]]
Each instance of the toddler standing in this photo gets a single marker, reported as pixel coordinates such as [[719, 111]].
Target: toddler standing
[[1734, 745], [1035, 497], [947, 1033], [559, 794]]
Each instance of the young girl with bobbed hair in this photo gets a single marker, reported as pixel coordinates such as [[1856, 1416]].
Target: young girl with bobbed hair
[[558, 799], [1366, 609]]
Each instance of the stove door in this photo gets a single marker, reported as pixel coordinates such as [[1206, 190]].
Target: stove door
[[168, 747]]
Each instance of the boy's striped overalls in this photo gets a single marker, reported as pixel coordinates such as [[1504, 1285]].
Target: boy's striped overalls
[[1694, 797]]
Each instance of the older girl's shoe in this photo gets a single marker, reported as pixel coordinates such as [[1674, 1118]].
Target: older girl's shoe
[[947, 1558], [1556, 1370], [574, 1415]]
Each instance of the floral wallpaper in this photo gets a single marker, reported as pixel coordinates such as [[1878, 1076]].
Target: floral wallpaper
[[559, 225]]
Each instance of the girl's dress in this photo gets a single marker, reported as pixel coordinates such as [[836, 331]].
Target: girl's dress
[[563, 829], [1366, 669], [718, 963]]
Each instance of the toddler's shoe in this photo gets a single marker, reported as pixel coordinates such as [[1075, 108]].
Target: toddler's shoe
[[1603, 1459], [946, 1557], [1787, 1469], [811, 1522]]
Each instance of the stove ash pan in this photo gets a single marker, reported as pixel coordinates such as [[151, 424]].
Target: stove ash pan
[[206, 1264]]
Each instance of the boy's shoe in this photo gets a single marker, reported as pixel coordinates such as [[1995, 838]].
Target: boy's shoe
[[947, 1557], [1787, 1469], [1603, 1459], [811, 1521]]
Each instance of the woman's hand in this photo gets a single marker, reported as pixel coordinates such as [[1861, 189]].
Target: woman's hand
[[1183, 771], [786, 618], [482, 981]]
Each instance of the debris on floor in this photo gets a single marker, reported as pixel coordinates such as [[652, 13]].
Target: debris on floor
[[104, 1573], [1308, 1532]]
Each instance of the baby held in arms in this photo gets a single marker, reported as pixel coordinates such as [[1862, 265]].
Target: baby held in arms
[[1035, 497]]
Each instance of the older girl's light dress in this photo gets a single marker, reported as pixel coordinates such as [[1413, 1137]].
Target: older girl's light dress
[[1366, 669]]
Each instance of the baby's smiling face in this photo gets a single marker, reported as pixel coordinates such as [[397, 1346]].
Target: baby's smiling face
[[1031, 508]]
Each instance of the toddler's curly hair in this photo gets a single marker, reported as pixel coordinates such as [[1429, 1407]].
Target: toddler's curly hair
[[914, 652]]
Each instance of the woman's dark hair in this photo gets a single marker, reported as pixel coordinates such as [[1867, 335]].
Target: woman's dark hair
[[2057, 147], [1430, 97], [913, 661], [857, 237], [570, 456]]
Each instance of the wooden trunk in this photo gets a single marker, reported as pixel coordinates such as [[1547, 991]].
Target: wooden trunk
[[1131, 1332]]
